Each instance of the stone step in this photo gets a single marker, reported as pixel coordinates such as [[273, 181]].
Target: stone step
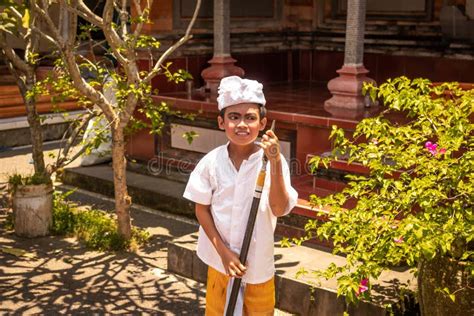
[[305, 185], [308, 185], [338, 169], [5, 77], [385, 22], [164, 192], [7, 90], [12, 104], [174, 165], [14, 131], [159, 193], [303, 295], [387, 28], [382, 32], [20, 110]]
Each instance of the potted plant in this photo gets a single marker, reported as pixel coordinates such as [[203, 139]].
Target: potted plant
[[32, 202], [415, 206]]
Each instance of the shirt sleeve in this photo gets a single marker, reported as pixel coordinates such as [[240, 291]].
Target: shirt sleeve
[[292, 194], [199, 189]]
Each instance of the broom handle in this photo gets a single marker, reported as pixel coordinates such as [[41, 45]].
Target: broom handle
[[247, 239], [248, 232]]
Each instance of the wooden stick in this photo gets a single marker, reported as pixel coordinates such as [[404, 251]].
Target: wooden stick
[[249, 231]]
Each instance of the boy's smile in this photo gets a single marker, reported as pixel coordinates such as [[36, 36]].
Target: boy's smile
[[242, 123]]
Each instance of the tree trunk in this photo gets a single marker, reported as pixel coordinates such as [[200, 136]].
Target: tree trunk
[[122, 199], [440, 273], [34, 122]]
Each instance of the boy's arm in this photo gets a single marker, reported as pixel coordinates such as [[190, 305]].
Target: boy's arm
[[230, 260], [278, 196]]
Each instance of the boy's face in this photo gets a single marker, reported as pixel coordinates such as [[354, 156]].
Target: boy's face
[[242, 123]]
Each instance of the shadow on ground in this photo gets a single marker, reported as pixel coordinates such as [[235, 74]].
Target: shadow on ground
[[58, 275]]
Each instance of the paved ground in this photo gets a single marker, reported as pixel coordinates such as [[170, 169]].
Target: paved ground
[[18, 160], [53, 275]]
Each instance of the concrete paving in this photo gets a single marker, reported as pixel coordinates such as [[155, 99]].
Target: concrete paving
[[17, 160]]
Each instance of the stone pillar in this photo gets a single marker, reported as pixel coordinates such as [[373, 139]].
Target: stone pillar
[[222, 64], [347, 88]]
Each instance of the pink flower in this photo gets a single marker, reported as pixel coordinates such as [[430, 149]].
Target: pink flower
[[374, 141], [363, 286], [398, 240], [433, 148]]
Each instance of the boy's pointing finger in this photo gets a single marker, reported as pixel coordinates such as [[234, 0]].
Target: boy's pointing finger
[[271, 134]]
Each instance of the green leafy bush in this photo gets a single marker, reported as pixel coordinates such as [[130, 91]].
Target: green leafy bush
[[95, 228], [416, 202]]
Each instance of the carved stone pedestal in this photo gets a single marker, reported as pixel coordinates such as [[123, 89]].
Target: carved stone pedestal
[[220, 67], [346, 89]]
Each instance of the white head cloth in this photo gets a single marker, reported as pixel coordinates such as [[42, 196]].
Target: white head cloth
[[235, 90]]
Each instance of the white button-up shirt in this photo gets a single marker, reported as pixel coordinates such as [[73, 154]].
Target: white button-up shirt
[[216, 182]]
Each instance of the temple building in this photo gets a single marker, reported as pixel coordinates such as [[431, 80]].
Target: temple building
[[312, 56]]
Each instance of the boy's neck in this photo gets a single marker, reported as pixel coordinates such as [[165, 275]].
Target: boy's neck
[[239, 153]]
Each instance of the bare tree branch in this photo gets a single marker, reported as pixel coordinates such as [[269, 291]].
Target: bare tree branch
[[66, 161], [85, 88], [74, 133], [44, 14], [138, 7], [13, 70], [84, 12], [123, 14], [126, 115], [44, 35], [116, 43], [32, 41], [143, 14], [33, 27], [73, 69], [11, 55], [15, 13], [175, 46], [72, 22]]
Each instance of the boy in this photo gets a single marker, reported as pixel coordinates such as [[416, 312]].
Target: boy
[[222, 186]]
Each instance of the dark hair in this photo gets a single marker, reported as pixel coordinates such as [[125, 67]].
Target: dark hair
[[262, 111]]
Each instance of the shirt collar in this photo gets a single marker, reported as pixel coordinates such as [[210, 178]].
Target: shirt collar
[[252, 157]]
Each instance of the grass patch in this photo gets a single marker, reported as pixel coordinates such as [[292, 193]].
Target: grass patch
[[97, 229]]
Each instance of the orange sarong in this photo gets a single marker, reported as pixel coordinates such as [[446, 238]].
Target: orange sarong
[[259, 299]]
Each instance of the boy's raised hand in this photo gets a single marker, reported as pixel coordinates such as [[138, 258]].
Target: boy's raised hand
[[271, 146], [232, 264]]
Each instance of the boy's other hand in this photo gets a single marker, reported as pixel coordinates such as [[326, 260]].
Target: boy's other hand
[[271, 146], [232, 265]]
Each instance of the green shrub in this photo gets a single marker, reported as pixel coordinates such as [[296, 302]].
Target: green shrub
[[97, 229], [416, 203]]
